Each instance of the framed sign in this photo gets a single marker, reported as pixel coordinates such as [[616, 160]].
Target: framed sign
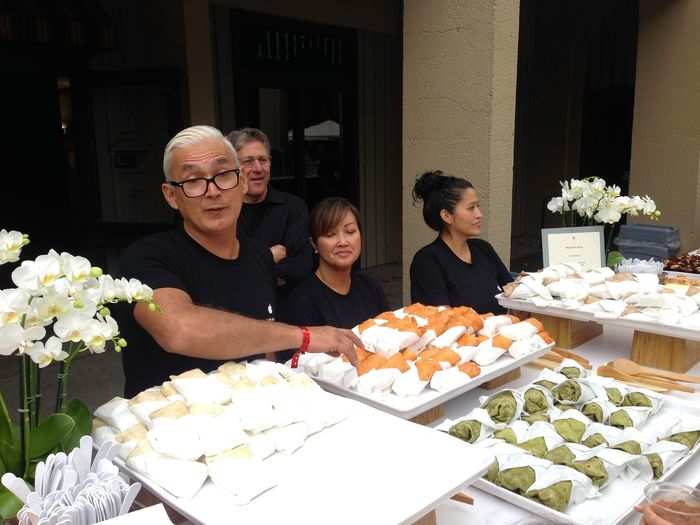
[[584, 245]]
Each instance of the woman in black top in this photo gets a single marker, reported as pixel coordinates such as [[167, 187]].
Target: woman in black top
[[456, 269], [335, 295]]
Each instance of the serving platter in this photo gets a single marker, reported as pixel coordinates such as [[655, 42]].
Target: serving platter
[[368, 468], [617, 500], [412, 406]]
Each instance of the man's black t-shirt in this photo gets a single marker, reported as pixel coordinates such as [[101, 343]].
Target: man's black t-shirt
[[312, 303], [439, 277], [173, 259], [281, 218]]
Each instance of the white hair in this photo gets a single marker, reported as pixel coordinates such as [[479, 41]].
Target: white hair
[[188, 137]]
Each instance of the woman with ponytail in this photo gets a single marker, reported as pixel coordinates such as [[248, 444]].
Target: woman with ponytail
[[457, 268]]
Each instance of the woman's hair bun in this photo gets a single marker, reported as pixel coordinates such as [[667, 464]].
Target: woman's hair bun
[[427, 183]]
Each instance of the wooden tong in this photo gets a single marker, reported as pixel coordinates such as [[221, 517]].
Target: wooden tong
[[646, 382], [635, 369]]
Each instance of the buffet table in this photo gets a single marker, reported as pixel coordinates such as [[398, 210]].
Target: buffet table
[[488, 509]]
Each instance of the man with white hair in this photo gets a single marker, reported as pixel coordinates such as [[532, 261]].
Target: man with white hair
[[215, 287]]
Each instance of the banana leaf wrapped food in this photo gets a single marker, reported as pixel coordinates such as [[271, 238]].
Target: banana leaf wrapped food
[[515, 472], [629, 416], [573, 392], [686, 431], [538, 400], [549, 379], [571, 369], [558, 487], [598, 410], [472, 428], [637, 398], [662, 455], [503, 407], [571, 425]]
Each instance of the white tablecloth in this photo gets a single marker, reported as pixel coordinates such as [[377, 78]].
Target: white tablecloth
[[489, 510]]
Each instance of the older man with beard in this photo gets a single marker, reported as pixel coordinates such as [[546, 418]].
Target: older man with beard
[[215, 287]]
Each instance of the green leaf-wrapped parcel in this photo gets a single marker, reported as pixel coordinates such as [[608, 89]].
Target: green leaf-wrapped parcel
[[630, 446], [656, 464], [549, 385], [468, 430], [620, 419], [506, 435], [595, 469], [516, 479], [502, 407], [571, 372], [614, 395], [561, 455], [689, 439], [536, 401], [594, 440], [570, 429], [533, 418], [594, 411], [568, 391], [556, 496], [636, 399], [536, 446]]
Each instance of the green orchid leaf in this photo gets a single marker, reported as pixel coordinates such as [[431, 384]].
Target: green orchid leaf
[[2, 468], [9, 504], [83, 424], [49, 434], [10, 454]]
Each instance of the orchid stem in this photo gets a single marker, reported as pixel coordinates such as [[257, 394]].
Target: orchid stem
[[25, 416]]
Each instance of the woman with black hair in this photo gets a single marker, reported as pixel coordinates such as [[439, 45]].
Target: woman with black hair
[[456, 269]]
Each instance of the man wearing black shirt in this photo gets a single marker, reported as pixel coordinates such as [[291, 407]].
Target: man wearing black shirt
[[277, 219], [213, 285]]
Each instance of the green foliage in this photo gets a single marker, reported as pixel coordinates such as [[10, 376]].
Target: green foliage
[[9, 504], [83, 424], [614, 258], [49, 434]]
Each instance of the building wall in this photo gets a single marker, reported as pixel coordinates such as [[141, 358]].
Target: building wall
[[459, 107], [666, 132]]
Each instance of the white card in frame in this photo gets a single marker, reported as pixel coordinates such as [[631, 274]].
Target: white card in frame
[[584, 245]]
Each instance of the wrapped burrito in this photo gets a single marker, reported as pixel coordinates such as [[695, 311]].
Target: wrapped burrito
[[573, 392], [637, 398], [549, 379], [571, 425], [242, 474], [625, 417], [663, 455], [541, 437], [504, 407], [475, 426], [558, 487], [515, 472], [515, 433], [598, 410], [571, 369], [686, 431], [538, 400]]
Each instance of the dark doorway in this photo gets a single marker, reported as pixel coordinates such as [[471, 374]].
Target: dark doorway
[[574, 107], [297, 82]]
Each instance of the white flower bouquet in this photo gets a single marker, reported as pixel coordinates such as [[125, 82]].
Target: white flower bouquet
[[70, 296], [590, 201]]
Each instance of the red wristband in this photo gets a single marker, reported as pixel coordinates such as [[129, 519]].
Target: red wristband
[[305, 341]]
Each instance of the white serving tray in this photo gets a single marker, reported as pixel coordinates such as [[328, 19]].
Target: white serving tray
[[411, 406], [649, 327], [617, 500], [370, 468]]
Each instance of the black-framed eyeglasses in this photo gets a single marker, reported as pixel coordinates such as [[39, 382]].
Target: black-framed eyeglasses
[[225, 180]]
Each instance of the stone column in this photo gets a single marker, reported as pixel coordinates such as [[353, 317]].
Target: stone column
[[459, 73], [666, 133]]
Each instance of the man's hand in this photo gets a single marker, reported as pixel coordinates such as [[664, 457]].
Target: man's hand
[[279, 252], [334, 341]]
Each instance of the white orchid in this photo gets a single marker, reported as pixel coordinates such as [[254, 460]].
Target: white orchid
[[53, 305], [76, 269], [13, 304], [40, 273], [139, 292], [593, 201], [11, 337], [98, 332], [45, 354], [71, 327], [11, 244]]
